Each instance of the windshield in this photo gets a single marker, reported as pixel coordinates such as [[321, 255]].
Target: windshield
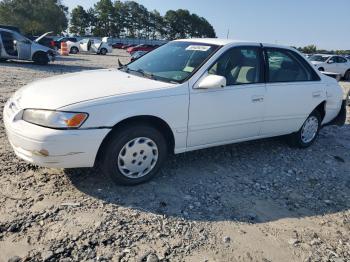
[[318, 58], [173, 62]]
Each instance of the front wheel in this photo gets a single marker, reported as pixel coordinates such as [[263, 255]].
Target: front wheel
[[134, 154], [41, 58], [103, 51], [74, 50], [308, 133]]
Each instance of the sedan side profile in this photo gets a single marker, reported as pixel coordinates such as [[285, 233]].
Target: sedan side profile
[[183, 96], [89, 45], [332, 63]]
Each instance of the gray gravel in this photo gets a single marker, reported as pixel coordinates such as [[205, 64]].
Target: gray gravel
[[255, 201]]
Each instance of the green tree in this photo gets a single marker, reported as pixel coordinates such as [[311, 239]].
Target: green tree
[[34, 16], [80, 21], [104, 13], [310, 49]]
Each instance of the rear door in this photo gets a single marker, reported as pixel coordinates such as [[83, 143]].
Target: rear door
[[293, 91]]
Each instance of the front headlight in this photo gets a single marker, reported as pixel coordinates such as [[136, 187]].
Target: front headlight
[[54, 119]]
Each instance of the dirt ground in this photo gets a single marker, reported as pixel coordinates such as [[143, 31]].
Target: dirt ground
[[255, 201]]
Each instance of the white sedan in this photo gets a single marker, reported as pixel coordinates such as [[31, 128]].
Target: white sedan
[[89, 45], [332, 63], [183, 96]]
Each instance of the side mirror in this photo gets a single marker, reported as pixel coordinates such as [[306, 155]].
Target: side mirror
[[212, 82], [330, 62]]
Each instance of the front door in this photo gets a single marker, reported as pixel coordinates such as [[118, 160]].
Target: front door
[[9, 48], [234, 112], [23, 46]]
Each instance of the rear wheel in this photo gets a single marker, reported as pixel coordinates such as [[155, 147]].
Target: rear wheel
[[308, 133], [103, 51], [134, 154], [74, 50], [40, 58]]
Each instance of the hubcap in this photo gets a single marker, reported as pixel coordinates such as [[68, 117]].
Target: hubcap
[[138, 157], [309, 129]]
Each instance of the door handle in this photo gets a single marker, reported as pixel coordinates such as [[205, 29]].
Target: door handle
[[316, 94], [256, 99]]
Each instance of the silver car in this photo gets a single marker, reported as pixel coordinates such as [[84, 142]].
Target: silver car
[[13, 45]]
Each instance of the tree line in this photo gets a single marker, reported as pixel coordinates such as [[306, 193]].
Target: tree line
[[105, 18], [312, 49], [130, 19]]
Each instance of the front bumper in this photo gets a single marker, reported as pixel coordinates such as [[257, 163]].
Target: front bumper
[[53, 148]]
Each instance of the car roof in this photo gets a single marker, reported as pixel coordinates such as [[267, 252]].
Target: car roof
[[327, 55], [223, 42]]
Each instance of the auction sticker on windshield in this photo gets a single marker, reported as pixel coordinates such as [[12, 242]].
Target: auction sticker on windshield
[[202, 48]]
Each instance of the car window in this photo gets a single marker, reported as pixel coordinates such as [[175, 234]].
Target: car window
[[333, 59], [285, 66], [240, 65], [174, 62], [341, 60]]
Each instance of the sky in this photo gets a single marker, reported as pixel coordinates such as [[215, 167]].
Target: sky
[[288, 22]]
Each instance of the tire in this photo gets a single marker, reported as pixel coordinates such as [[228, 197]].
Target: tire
[[347, 75], [103, 51], [321, 69], [40, 58], [134, 154], [74, 50], [303, 138]]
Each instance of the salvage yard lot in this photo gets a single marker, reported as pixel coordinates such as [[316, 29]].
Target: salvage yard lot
[[254, 201]]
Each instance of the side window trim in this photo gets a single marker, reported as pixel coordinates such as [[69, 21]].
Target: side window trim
[[260, 54], [299, 59]]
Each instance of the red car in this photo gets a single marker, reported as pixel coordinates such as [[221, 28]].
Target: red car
[[117, 45], [143, 47]]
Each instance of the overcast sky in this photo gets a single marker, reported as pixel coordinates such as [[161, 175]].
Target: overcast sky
[[290, 22]]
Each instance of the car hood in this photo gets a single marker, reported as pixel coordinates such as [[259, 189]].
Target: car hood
[[42, 36], [63, 90]]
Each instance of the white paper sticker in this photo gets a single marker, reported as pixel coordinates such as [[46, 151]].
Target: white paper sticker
[[202, 48]]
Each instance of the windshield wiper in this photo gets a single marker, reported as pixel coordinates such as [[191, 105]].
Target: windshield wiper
[[140, 71]]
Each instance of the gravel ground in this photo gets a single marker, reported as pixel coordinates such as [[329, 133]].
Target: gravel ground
[[255, 201]]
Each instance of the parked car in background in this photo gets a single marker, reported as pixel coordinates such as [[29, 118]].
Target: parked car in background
[[142, 47], [183, 96], [44, 40], [15, 46], [117, 45], [58, 42], [332, 63], [89, 45], [126, 46], [137, 55]]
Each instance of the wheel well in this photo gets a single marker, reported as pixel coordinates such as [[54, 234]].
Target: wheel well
[[38, 53], [153, 121], [321, 108]]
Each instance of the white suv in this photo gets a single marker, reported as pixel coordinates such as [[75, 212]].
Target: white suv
[[332, 63], [183, 96]]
